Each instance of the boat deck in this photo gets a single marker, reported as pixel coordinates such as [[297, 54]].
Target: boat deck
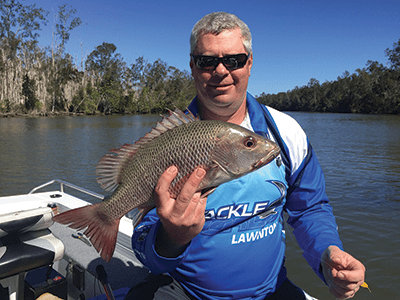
[[124, 270]]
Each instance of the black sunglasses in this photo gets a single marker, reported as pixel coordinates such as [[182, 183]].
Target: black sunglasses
[[231, 62]]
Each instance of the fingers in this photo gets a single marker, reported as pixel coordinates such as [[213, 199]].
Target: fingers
[[182, 218], [161, 194], [188, 199], [354, 271], [343, 273], [342, 289], [341, 294], [177, 207]]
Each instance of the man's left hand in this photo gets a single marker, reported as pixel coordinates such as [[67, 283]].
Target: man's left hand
[[343, 273]]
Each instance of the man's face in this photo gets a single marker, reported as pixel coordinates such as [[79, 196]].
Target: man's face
[[221, 91]]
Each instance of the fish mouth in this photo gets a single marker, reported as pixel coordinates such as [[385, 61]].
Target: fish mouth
[[272, 154]]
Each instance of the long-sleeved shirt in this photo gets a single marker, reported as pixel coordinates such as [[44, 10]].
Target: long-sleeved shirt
[[240, 251]]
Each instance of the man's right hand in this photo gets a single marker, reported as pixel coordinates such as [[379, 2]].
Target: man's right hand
[[182, 218]]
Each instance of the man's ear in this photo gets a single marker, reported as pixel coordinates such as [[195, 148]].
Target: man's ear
[[250, 62], [191, 64]]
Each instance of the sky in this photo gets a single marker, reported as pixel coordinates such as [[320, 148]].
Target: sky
[[293, 40]]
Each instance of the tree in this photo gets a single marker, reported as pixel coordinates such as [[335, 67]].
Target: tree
[[19, 26], [62, 69], [135, 73], [313, 100], [109, 69], [63, 26], [394, 56], [103, 61], [28, 91], [60, 75]]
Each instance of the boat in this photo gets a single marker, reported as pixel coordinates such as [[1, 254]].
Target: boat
[[40, 259]]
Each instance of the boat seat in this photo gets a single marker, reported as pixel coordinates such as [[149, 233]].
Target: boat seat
[[28, 251], [26, 243]]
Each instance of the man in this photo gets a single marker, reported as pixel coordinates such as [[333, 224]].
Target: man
[[231, 245]]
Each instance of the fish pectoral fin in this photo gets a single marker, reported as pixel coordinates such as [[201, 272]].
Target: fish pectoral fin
[[221, 169], [208, 191], [216, 175]]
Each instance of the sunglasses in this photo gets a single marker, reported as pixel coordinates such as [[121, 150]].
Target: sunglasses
[[231, 62]]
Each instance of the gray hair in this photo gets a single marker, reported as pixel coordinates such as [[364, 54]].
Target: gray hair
[[216, 23]]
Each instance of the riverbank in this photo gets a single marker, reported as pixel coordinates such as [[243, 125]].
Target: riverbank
[[44, 114], [37, 114]]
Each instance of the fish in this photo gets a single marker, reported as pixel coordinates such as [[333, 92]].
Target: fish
[[226, 151]]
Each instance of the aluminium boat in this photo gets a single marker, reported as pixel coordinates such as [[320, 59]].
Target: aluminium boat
[[40, 258]]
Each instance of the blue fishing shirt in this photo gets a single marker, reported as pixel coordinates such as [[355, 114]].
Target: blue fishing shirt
[[240, 252]]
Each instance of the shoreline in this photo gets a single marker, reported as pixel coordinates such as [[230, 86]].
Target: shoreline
[[77, 114], [47, 114]]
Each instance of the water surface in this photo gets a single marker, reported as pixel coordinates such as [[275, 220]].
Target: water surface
[[359, 154]]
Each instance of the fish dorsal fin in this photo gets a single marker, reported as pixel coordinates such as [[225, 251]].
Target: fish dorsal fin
[[111, 165]]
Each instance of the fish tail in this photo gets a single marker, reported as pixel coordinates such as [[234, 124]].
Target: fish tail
[[101, 231]]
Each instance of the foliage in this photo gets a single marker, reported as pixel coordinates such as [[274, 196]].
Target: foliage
[[107, 67], [19, 24], [373, 89], [394, 56], [62, 27], [28, 91], [48, 79]]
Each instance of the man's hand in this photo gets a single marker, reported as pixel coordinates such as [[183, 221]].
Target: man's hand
[[182, 218], [343, 273]]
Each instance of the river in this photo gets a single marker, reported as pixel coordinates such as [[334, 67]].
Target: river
[[359, 154]]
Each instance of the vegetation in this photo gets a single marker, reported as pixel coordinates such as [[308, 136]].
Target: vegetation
[[36, 80], [373, 89], [47, 80]]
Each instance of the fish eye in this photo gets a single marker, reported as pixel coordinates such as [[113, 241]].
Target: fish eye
[[250, 142]]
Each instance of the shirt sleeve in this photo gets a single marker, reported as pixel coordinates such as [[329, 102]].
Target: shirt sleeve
[[307, 205], [143, 241], [310, 213]]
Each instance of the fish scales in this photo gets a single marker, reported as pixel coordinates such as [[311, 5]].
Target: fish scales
[[186, 147], [226, 151]]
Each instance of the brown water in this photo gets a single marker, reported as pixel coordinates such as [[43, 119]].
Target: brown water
[[360, 156]]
